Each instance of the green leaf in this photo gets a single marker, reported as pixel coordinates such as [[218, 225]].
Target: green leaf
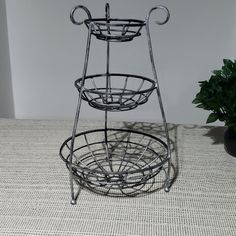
[[195, 101], [217, 72], [226, 72], [233, 75], [201, 106], [228, 62], [212, 118]]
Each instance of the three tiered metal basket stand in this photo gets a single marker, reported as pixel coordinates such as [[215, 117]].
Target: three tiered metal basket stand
[[113, 161]]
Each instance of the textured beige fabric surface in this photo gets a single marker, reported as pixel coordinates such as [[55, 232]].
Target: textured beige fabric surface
[[34, 187]]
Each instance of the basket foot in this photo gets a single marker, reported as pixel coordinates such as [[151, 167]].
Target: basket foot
[[167, 189], [74, 196], [167, 186], [73, 202]]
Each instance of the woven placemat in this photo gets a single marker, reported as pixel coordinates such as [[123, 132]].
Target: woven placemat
[[35, 196]]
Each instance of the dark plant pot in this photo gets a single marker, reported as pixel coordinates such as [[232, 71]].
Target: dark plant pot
[[230, 141]]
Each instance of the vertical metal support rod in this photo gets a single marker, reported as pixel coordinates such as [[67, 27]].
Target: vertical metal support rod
[[167, 183], [108, 82], [108, 90], [73, 196]]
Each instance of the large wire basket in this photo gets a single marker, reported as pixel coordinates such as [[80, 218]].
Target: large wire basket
[[115, 30], [114, 159], [115, 92]]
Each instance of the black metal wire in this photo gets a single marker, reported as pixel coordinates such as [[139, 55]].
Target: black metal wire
[[126, 97], [134, 158], [115, 30], [116, 161]]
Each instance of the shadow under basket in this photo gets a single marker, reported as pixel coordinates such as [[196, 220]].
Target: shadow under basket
[[115, 92], [115, 162], [115, 30]]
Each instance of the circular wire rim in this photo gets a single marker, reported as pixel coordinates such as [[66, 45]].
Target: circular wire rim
[[121, 22], [66, 160], [79, 86], [97, 96]]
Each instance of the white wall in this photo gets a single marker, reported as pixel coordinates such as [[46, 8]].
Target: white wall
[[47, 54], [6, 96]]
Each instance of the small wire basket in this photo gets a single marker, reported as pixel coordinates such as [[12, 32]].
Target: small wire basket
[[115, 92], [115, 30], [114, 159]]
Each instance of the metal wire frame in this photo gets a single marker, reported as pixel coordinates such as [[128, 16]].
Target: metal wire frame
[[116, 30], [168, 181], [120, 30], [113, 29], [102, 96], [127, 159]]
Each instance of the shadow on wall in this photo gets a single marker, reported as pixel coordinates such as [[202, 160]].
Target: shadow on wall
[[6, 94]]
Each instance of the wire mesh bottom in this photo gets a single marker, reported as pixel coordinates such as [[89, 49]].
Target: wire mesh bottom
[[115, 161], [115, 92], [115, 30]]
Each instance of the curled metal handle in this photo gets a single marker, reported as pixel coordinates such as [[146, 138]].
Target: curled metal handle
[[73, 12], [107, 10], [159, 7]]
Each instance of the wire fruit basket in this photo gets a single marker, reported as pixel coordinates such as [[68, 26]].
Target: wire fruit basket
[[115, 92], [124, 159], [114, 161], [115, 30]]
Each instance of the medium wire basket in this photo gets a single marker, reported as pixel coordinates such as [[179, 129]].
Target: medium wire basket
[[114, 159], [115, 92]]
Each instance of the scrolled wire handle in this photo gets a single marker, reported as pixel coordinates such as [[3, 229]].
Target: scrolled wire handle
[[159, 7], [73, 12]]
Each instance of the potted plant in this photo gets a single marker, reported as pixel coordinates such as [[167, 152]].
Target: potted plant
[[218, 95]]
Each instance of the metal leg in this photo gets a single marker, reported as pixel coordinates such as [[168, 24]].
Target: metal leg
[[73, 195], [167, 183], [73, 198]]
